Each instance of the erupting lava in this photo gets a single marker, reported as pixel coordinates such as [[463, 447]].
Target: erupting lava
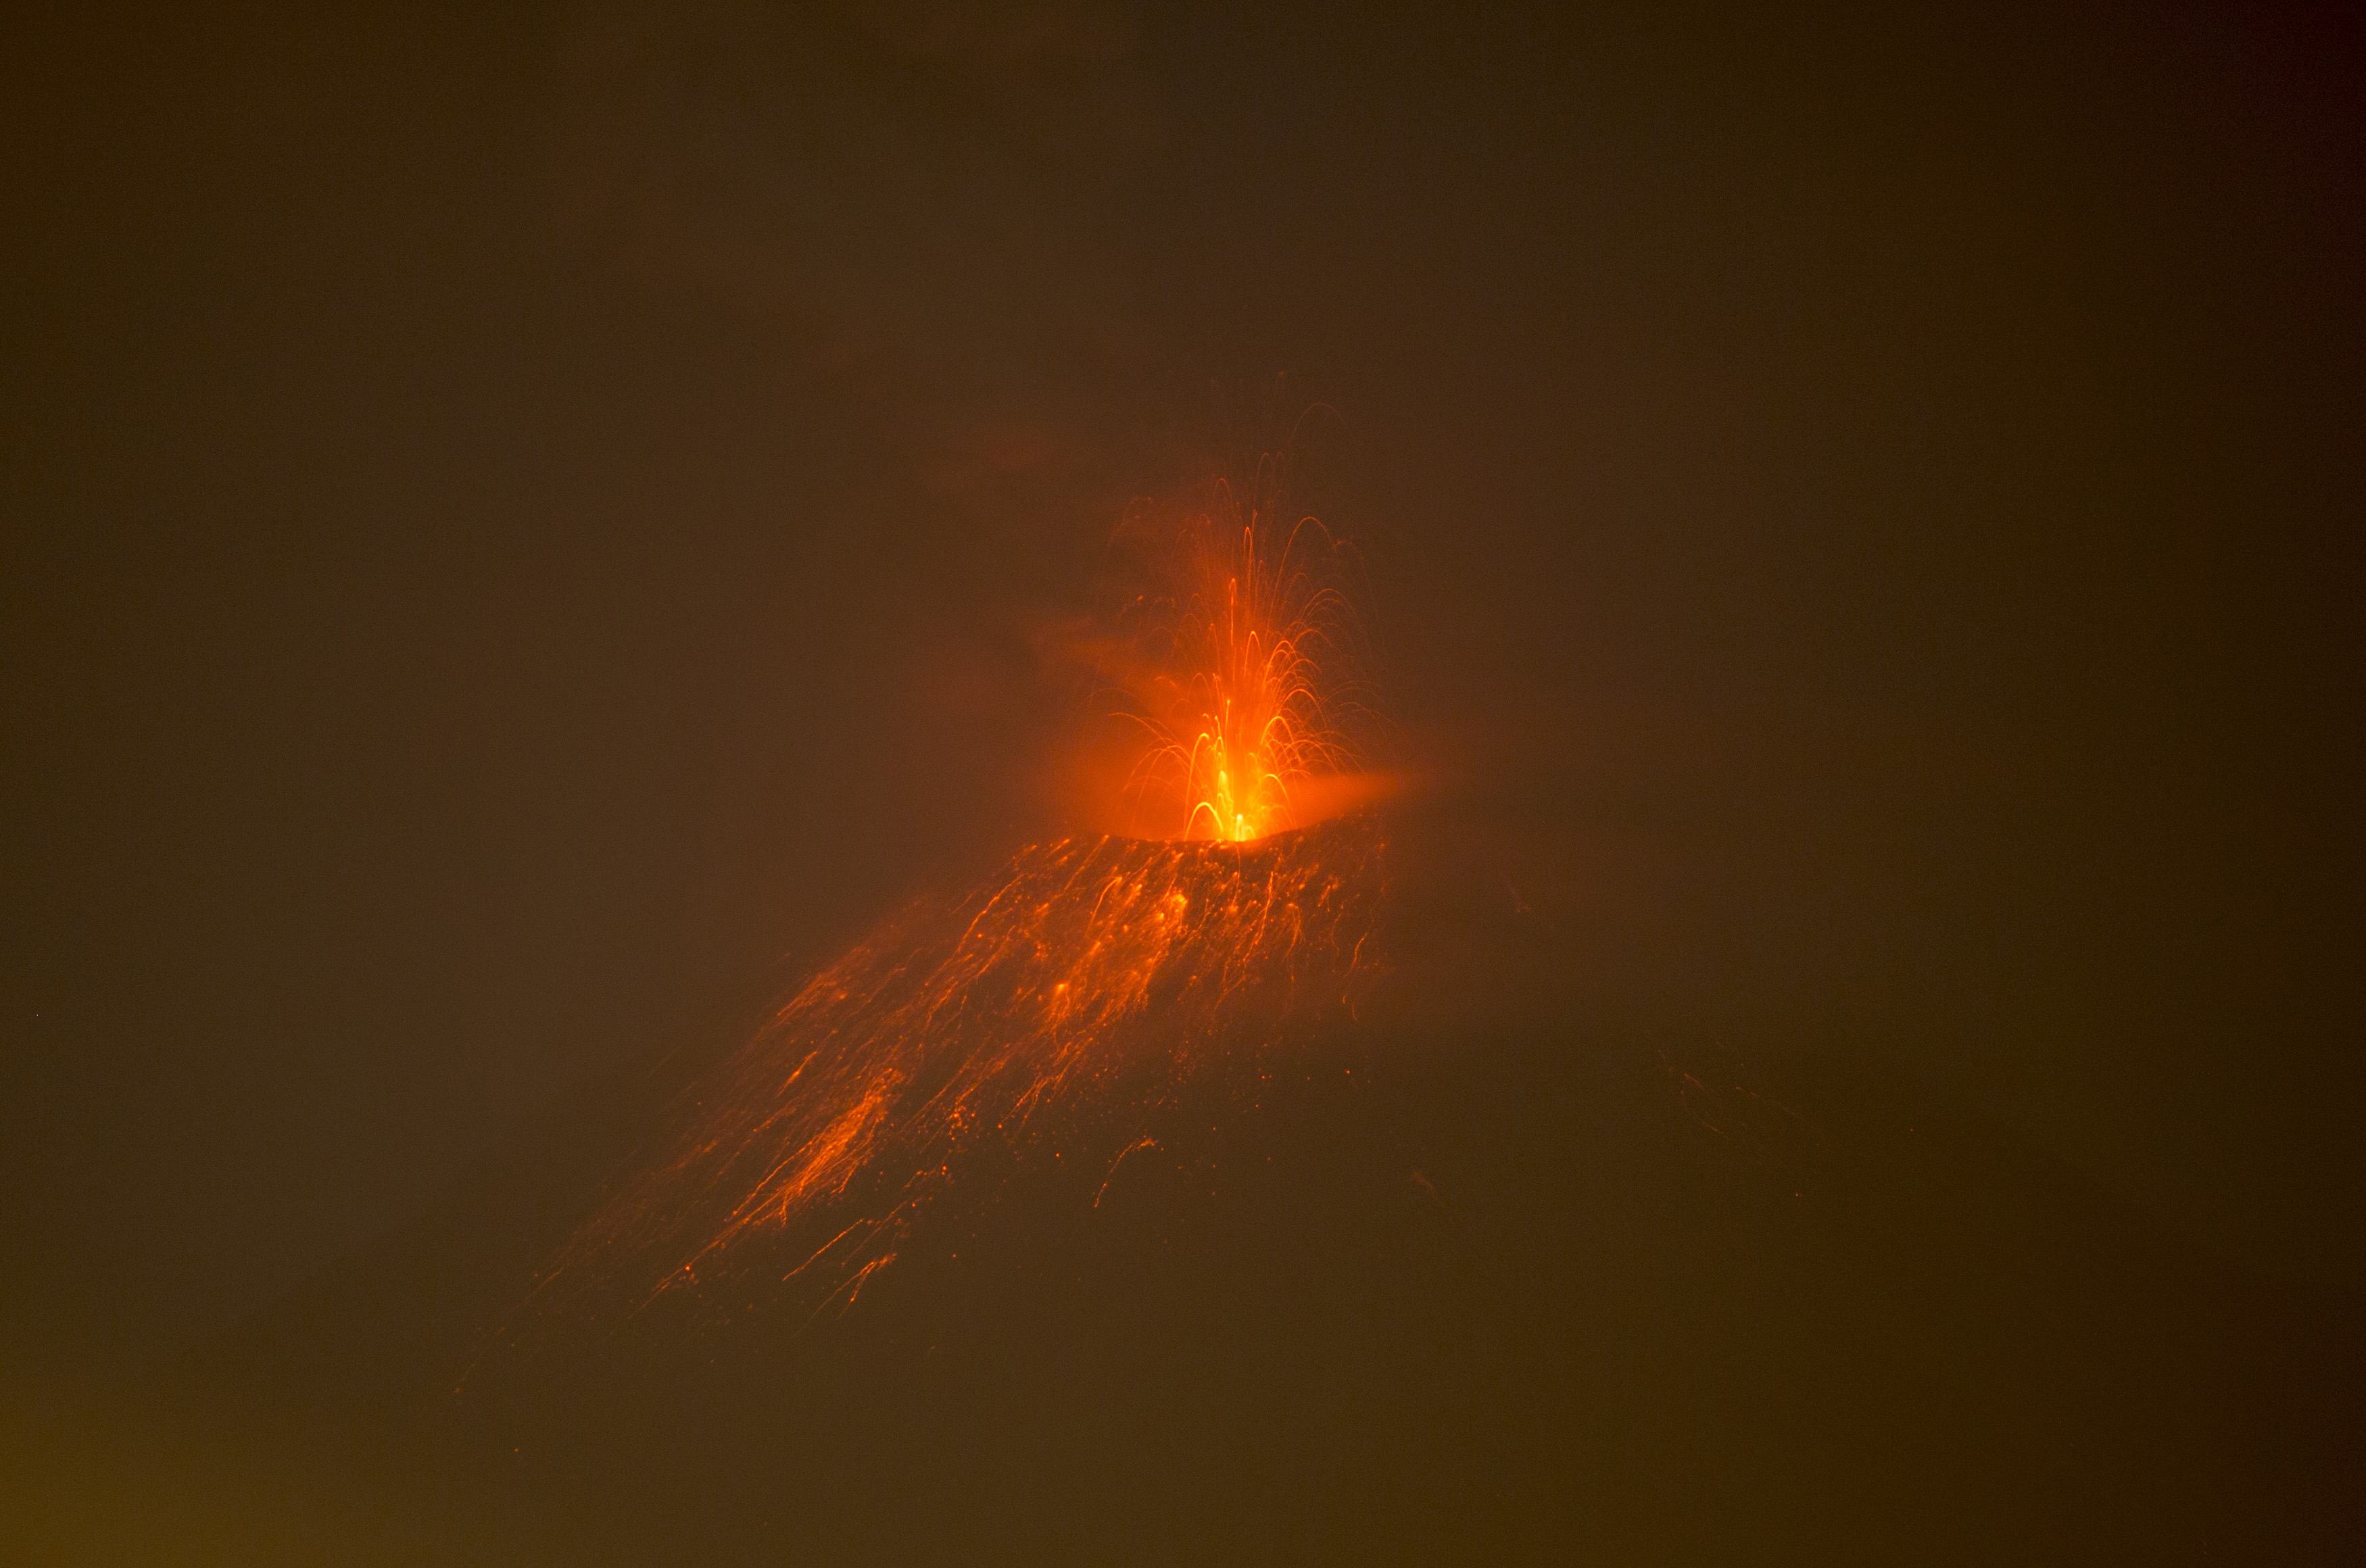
[[1055, 1010], [1235, 659], [1245, 725]]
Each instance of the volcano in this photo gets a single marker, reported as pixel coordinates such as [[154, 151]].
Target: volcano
[[1059, 1013], [652, 919], [1374, 1235], [1276, 1180]]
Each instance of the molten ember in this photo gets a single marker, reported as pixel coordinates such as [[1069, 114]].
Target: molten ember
[[1245, 725], [1233, 670], [1054, 1011]]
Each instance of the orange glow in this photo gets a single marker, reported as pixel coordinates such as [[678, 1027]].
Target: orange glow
[[1235, 672], [1054, 1009], [1254, 723], [1050, 1011]]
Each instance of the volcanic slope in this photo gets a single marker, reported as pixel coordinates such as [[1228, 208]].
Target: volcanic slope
[[1488, 1268]]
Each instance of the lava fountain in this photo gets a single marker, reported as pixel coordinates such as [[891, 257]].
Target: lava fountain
[[1050, 1012], [1228, 668]]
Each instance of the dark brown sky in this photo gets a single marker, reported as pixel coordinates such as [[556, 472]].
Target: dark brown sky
[[521, 534]]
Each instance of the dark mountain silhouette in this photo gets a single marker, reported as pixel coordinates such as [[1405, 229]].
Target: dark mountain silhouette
[[1486, 1274]]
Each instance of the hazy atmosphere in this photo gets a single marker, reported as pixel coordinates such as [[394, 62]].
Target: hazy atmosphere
[[530, 535]]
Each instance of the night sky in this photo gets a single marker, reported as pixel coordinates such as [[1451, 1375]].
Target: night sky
[[525, 533]]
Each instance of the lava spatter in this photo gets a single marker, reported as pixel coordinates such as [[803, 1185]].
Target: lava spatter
[[1060, 1004]]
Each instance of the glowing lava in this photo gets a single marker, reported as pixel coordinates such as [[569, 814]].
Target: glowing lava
[[1043, 1016], [1255, 724], [1053, 1012], [1234, 669]]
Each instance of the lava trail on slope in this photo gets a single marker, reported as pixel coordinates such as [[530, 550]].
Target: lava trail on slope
[[1049, 1016]]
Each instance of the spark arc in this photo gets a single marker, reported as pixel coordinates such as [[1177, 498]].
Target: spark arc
[[1231, 672], [1243, 730]]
